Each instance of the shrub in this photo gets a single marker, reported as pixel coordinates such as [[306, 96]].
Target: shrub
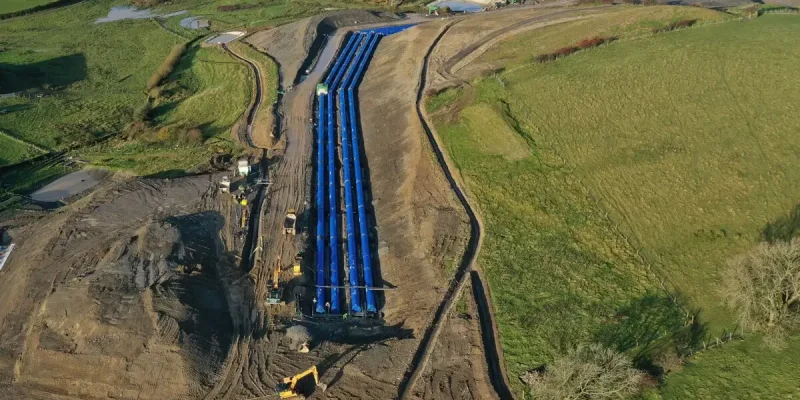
[[590, 372], [235, 7], [166, 66], [684, 23], [194, 136], [565, 51], [445, 10]]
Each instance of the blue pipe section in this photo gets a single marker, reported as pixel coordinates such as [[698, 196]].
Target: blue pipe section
[[320, 306], [352, 251], [366, 257], [333, 215], [324, 111]]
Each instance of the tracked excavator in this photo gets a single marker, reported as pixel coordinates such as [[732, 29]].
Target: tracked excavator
[[300, 385], [275, 290]]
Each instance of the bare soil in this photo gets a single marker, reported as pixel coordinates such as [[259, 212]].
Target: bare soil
[[118, 295]]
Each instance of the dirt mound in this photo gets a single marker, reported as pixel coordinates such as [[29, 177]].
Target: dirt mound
[[118, 298], [421, 227]]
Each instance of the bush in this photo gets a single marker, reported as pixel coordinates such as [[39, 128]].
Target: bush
[[235, 7], [445, 10], [590, 372], [763, 287], [565, 51], [166, 66], [684, 23], [193, 136]]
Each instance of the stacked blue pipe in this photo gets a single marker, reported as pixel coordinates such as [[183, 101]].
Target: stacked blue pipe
[[320, 204], [326, 119], [342, 81], [366, 258], [347, 161]]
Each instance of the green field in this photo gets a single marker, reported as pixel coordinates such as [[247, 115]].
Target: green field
[[678, 147], [9, 6], [740, 371], [77, 81], [15, 150]]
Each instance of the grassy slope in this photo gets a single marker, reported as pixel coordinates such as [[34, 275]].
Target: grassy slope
[[14, 150], [685, 137], [682, 138], [739, 371], [7, 6], [102, 72], [209, 90], [623, 22]]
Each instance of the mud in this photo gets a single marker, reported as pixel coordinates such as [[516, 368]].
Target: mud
[[118, 296]]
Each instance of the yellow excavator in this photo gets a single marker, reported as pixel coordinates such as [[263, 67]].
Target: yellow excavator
[[300, 384], [275, 290]]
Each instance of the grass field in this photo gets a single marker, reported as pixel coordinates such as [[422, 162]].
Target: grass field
[[683, 143], [14, 150], [739, 371], [622, 22], [8, 6], [89, 76], [208, 90]]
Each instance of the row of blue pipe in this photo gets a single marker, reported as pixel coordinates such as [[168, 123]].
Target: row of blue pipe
[[325, 138], [342, 81]]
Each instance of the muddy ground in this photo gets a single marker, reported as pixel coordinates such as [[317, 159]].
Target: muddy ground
[[119, 296]]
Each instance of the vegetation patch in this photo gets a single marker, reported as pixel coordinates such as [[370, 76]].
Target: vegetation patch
[[622, 22], [654, 162]]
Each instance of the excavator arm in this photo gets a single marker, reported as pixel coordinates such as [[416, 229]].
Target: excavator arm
[[288, 388]]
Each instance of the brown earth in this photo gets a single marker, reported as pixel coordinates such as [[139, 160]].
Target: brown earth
[[118, 295]]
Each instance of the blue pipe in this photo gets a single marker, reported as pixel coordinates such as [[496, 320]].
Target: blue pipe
[[362, 215], [352, 252], [320, 199], [332, 193], [320, 307]]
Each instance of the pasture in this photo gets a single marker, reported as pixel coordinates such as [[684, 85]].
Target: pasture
[[652, 162]]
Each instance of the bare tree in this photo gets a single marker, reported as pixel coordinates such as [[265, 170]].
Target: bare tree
[[590, 372], [763, 287]]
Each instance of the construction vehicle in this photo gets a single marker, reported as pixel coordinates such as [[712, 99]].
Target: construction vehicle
[[244, 217], [300, 384], [290, 223], [275, 290], [297, 270]]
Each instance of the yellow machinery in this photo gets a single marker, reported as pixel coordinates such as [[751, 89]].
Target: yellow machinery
[[300, 384], [275, 290], [244, 217], [296, 268]]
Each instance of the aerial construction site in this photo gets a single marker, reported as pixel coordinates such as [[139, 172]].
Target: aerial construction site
[[327, 245], [337, 243]]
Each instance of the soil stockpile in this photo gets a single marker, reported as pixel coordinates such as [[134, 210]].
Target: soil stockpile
[[118, 297]]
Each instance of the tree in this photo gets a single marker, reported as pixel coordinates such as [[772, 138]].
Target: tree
[[763, 287], [590, 372]]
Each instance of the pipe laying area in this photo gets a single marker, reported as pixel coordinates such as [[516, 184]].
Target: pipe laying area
[[339, 94]]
